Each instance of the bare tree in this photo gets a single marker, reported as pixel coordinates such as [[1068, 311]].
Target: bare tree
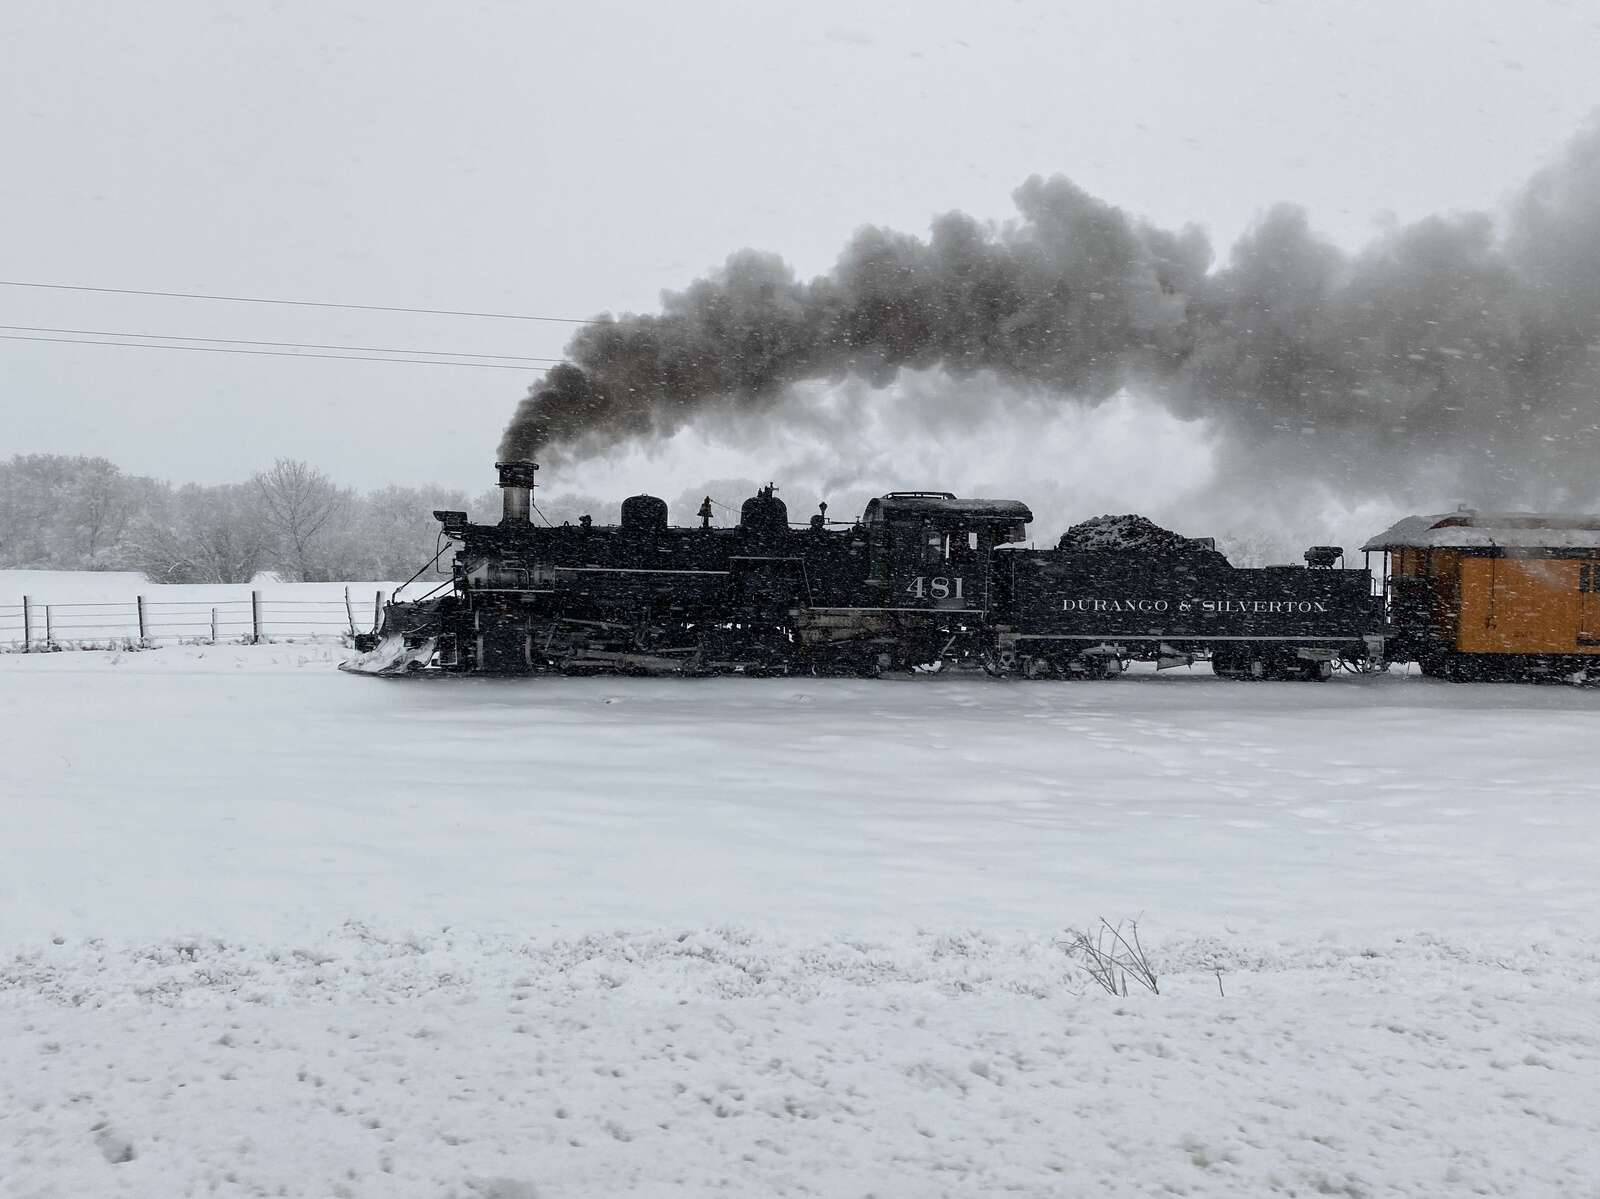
[[157, 549], [99, 509], [202, 535], [225, 531], [301, 504], [33, 492], [392, 532]]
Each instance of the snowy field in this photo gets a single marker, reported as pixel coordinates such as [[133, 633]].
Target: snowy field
[[267, 929]]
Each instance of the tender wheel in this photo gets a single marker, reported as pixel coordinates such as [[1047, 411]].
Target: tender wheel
[[1235, 663], [1226, 664]]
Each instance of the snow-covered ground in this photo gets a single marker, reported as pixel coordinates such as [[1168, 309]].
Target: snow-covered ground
[[270, 929]]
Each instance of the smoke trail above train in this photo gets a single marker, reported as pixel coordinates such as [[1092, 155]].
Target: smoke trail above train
[[1459, 347]]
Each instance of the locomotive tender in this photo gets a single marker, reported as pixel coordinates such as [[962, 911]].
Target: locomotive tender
[[921, 580]]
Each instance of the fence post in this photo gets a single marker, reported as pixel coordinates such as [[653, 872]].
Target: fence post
[[143, 636], [213, 626], [349, 612], [255, 618], [49, 633], [377, 610], [27, 627]]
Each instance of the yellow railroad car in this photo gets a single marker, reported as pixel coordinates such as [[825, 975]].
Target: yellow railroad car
[[1474, 595]]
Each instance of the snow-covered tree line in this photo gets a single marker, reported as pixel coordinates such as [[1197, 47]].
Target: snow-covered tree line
[[60, 512], [76, 513]]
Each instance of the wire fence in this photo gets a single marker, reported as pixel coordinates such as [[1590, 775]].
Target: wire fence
[[33, 625]]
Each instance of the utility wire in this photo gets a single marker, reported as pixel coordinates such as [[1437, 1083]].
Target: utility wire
[[149, 345], [297, 345], [189, 295]]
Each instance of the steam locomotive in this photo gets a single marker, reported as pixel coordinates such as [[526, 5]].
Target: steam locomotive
[[923, 580]]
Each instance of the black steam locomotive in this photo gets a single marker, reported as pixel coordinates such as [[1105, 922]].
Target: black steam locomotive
[[923, 580]]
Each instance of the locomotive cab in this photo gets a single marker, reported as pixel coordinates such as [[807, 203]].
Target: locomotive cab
[[929, 551]]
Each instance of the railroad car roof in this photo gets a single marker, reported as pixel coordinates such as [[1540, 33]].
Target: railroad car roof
[[1470, 529]]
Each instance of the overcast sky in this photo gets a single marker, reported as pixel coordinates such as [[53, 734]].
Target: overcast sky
[[569, 159]]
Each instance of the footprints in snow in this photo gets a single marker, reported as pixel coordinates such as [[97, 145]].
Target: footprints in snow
[[114, 1147]]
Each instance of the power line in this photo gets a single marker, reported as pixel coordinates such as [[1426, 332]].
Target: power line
[[189, 295], [149, 345], [298, 345]]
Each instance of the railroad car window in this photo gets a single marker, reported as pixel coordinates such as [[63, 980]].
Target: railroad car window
[[972, 540], [1585, 578]]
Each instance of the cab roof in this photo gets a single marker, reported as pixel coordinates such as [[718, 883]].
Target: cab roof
[[943, 505]]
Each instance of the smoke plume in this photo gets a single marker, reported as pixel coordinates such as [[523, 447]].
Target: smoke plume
[[1452, 350]]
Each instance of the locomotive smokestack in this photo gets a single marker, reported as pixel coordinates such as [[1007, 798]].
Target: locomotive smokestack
[[516, 491]]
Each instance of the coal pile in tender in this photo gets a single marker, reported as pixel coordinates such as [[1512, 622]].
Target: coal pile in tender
[[1127, 532]]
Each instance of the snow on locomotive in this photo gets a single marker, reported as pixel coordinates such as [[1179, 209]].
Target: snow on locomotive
[[922, 579]]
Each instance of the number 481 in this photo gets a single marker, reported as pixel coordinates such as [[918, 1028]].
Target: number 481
[[940, 587]]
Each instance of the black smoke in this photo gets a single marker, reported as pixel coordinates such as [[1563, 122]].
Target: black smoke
[[1453, 350]]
